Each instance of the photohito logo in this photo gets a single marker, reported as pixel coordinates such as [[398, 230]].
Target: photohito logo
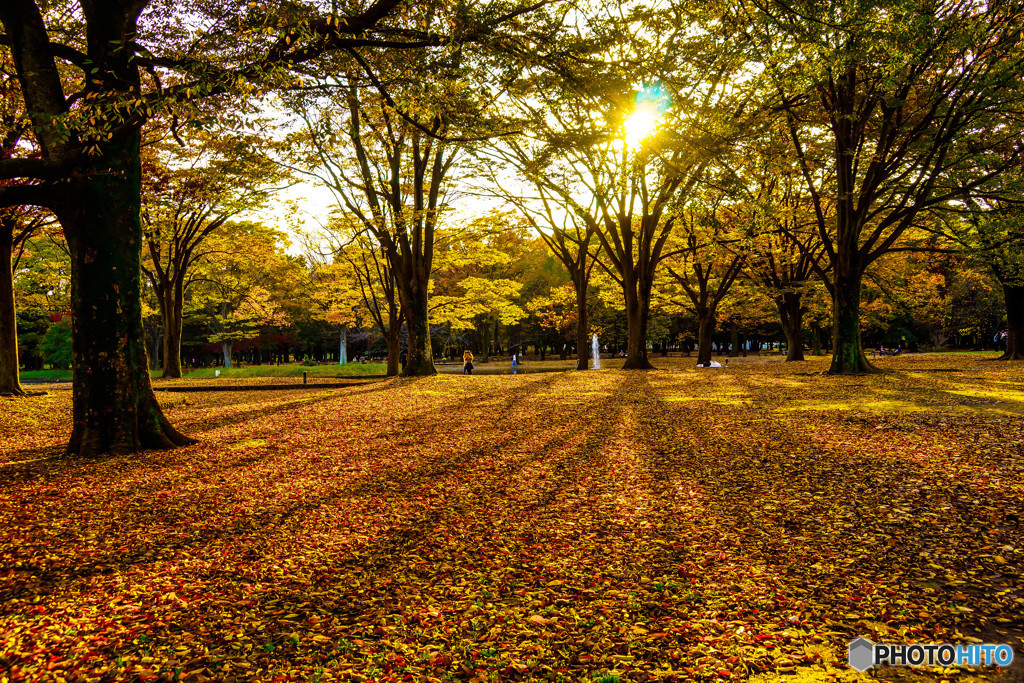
[[863, 654]]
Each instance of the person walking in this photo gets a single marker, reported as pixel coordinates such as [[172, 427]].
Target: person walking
[[515, 364], [467, 363]]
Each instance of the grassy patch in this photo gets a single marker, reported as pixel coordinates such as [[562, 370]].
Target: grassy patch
[[60, 375], [46, 375], [347, 370]]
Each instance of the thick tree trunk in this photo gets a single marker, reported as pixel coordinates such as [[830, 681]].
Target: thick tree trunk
[[1013, 296], [706, 322], [791, 313], [582, 328], [637, 312], [114, 408], [847, 352], [10, 381], [734, 341], [420, 358]]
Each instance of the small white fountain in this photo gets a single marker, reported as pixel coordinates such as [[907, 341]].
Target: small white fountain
[[595, 350]]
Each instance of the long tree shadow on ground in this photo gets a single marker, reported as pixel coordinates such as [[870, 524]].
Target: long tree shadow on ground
[[568, 523], [855, 532], [396, 483]]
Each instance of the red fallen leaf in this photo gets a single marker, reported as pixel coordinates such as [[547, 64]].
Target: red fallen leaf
[[497, 537], [538, 620]]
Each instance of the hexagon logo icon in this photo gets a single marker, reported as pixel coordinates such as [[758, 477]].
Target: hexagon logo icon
[[861, 654]]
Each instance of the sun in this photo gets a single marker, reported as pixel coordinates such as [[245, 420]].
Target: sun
[[641, 123]]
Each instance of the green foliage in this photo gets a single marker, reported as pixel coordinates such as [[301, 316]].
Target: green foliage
[[244, 286], [42, 278], [56, 344]]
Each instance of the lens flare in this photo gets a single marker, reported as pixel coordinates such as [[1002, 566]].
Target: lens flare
[[641, 123]]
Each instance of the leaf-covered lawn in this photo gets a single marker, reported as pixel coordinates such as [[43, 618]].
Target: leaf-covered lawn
[[672, 525]]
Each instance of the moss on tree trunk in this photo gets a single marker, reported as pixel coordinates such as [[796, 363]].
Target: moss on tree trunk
[[847, 352]]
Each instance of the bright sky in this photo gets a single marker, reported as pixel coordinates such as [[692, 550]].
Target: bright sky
[[307, 204]]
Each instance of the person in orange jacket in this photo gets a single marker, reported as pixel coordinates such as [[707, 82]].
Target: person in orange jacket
[[467, 362]]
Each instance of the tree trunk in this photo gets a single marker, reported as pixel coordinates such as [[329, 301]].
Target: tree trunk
[[1013, 296], [582, 328], [705, 329], [394, 350], [225, 350], [815, 339], [734, 341], [420, 359], [114, 408], [791, 313], [10, 381], [154, 359], [847, 352], [172, 315], [637, 311], [485, 342]]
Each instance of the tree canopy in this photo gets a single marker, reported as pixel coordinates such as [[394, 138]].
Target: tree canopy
[[784, 165]]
